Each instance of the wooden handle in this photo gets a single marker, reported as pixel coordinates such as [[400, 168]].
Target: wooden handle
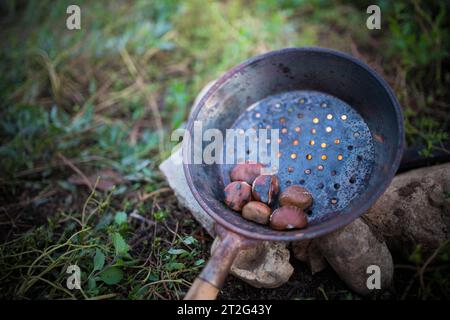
[[212, 277], [202, 290]]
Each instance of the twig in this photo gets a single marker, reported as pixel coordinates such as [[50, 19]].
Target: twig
[[78, 171], [175, 233], [144, 197], [137, 216], [429, 260], [91, 195], [105, 296]]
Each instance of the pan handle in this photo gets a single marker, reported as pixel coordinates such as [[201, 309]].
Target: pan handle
[[213, 275]]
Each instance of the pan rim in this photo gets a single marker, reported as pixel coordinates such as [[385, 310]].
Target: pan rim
[[331, 224]]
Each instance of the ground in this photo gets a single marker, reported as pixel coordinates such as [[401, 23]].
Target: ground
[[86, 118]]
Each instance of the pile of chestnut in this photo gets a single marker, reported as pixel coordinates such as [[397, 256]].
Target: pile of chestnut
[[254, 194]]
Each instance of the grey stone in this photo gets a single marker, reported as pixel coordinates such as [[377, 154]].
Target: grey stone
[[307, 252], [300, 250], [264, 266], [414, 210], [172, 169], [351, 250]]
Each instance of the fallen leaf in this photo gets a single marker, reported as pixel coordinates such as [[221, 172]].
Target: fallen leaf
[[108, 179]]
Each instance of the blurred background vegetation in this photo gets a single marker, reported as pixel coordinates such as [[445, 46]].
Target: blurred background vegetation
[[85, 110]]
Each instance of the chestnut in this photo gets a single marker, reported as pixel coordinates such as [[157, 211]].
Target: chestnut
[[257, 212], [247, 172], [237, 195], [296, 196], [265, 188], [288, 217]]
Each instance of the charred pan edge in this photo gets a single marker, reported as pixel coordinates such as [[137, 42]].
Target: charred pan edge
[[336, 222]]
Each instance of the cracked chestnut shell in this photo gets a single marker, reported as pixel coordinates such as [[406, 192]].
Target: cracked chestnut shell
[[237, 195], [246, 172], [287, 218], [257, 211], [265, 188], [296, 196]]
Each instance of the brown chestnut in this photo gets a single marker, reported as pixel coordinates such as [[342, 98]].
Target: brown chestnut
[[246, 172], [296, 196], [265, 188], [289, 217], [257, 212], [237, 195]]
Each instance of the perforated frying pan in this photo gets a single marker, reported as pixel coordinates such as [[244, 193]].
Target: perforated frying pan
[[341, 137]]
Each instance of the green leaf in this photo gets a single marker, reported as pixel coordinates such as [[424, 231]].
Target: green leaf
[[176, 251], [111, 275], [199, 262], [120, 218], [159, 215], [174, 266], [99, 260], [92, 284], [189, 240], [120, 245]]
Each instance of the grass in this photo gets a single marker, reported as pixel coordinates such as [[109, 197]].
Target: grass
[[111, 266], [421, 55], [102, 102]]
